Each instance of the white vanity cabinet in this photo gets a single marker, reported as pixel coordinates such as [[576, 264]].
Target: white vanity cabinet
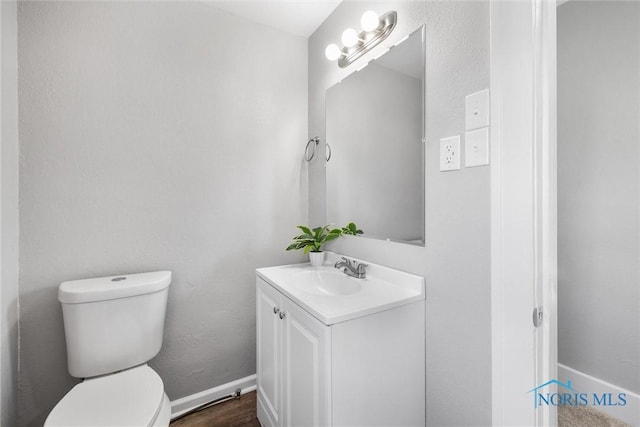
[[368, 370], [292, 361]]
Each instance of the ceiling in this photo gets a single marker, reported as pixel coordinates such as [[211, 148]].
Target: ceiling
[[300, 17]]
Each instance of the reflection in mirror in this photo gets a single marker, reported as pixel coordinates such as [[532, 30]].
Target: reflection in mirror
[[375, 127]]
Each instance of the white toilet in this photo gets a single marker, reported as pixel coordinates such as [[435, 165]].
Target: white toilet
[[113, 326]]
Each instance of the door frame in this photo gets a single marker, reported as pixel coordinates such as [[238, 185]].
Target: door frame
[[523, 208]]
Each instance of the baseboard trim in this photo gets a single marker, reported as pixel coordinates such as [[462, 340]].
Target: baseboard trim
[[630, 413], [187, 403]]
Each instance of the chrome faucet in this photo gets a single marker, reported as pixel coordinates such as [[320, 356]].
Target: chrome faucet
[[352, 268]]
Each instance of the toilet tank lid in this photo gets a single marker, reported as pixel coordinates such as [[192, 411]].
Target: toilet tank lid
[[112, 287]]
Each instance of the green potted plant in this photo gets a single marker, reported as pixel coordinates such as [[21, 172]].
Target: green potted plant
[[351, 229], [312, 240]]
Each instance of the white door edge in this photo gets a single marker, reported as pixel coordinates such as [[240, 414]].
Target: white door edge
[[523, 208]]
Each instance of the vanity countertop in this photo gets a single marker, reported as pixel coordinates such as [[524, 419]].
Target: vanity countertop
[[333, 297]]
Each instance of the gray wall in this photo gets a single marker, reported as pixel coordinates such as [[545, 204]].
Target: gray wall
[[598, 190], [164, 135], [9, 217], [456, 259]]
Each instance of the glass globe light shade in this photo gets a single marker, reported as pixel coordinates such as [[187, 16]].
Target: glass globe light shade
[[350, 37], [369, 20], [332, 52]]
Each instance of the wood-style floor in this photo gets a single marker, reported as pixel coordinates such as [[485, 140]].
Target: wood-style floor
[[232, 413]]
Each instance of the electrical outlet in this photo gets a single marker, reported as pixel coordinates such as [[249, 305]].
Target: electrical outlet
[[450, 153]]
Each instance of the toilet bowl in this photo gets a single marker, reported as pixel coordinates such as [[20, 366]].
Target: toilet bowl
[[130, 398], [113, 326]]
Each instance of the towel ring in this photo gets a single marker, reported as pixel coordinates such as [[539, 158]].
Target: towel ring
[[308, 154], [312, 145]]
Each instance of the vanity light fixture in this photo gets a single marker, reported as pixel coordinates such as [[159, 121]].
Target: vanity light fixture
[[350, 37], [374, 30], [369, 21]]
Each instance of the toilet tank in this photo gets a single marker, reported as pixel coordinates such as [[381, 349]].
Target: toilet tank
[[113, 323]]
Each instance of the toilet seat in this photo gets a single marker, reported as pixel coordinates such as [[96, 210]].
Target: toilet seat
[[133, 397]]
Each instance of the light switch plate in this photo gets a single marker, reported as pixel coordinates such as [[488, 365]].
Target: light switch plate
[[476, 108], [450, 153], [476, 147]]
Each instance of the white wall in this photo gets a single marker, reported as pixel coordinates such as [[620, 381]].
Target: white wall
[[9, 217], [599, 190], [456, 259], [163, 135]]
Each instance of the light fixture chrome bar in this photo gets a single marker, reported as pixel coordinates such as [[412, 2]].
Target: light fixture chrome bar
[[369, 39]]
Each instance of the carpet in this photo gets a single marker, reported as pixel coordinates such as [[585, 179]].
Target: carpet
[[584, 416]]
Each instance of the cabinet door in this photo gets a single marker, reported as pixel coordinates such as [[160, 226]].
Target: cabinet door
[[269, 362], [306, 348]]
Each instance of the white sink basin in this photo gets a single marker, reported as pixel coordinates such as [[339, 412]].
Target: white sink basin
[[333, 297], [325, 282]]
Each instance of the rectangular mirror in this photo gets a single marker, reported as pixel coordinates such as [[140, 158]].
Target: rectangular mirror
[[375, 129]]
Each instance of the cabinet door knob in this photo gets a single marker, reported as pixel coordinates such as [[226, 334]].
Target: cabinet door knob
[[282, 315], [275, 310]]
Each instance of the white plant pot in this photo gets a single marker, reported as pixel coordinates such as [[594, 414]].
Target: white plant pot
[[316, 258]]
